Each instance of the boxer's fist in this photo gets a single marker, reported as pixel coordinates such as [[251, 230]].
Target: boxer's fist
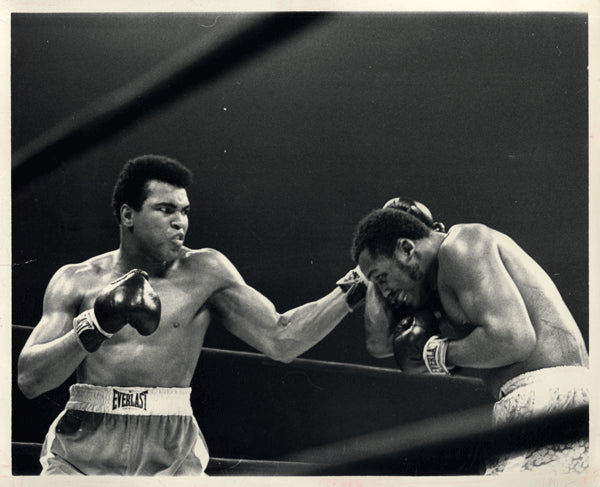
[[409, 339], [127, 300], [354, 286]]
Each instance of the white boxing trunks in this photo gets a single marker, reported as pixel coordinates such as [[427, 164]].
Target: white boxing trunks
[[536, 393], [125, 431]]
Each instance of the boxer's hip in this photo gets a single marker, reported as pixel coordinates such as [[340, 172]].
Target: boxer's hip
[[539, 392], [126, 431], [146, 401], [542, 391]]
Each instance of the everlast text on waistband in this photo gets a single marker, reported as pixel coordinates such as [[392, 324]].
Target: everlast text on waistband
[[129, 399]]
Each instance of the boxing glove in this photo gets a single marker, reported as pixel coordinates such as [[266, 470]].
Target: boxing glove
[[354, 287], [409, 339], [127, 300], [417, 209]]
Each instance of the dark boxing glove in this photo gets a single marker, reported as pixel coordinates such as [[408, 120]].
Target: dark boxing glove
[[127, 300], [416, 209], [354, 286], [409, 339]]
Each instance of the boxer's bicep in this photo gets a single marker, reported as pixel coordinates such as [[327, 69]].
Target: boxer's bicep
[[490, 299], [60, 305], [252, 317], [246, 313], [52, 351], [238, 305]]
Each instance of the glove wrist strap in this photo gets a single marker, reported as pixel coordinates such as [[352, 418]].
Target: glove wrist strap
[[354, 288], [88, 330], [434, 356], [355, 296]]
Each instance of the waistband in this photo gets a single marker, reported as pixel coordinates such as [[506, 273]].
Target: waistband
[[144, 401], [572, 376]]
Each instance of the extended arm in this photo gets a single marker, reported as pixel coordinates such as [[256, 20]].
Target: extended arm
[[252, 317], [52, 352]]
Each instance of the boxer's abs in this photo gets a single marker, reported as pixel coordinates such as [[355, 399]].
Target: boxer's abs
[[166, 358]]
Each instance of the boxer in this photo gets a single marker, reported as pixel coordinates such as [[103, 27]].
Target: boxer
[[397, 317], [131, 324], [504, 320]]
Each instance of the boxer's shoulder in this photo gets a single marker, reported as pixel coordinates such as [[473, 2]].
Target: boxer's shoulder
[[466, 240], [467, 232], [206, 263], [90, 270], [466, 251], [201, 259]]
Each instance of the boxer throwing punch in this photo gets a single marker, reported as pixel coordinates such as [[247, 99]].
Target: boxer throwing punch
[[131, 323], [501, 317]]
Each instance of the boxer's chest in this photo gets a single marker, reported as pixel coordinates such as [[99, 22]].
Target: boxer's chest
[[182, 304]]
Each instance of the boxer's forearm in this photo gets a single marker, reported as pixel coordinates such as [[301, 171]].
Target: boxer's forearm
[[303, 327], [378, 337], [485, 350], [45, 366]]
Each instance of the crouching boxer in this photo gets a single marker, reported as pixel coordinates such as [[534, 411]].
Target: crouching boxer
[[387, 318], [499, 316], [131, 323]]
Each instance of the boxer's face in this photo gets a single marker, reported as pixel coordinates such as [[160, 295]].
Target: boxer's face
[[401, 284], [162, 222]]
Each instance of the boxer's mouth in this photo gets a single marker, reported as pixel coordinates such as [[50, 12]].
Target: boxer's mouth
[[398, 298]]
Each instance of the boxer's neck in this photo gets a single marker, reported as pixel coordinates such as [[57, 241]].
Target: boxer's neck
[[128, 259]]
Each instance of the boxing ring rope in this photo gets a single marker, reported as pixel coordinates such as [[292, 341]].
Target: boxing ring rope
[[28, 453], [216, 53], [403, 450], [426, 441], [396, 451], [421, 441]]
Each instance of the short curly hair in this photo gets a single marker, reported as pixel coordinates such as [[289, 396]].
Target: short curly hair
[[131, 185], [379, 231]]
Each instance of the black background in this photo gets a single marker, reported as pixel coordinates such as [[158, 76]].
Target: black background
[[484, 117]]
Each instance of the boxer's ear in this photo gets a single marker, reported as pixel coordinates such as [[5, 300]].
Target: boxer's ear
[[405, 248], [126, 215]]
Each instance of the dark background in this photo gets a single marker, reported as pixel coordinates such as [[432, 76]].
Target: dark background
[[484, 117]]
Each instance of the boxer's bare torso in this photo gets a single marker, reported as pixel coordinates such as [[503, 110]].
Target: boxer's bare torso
[[168, 357], [194, 288], [558, 340]]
